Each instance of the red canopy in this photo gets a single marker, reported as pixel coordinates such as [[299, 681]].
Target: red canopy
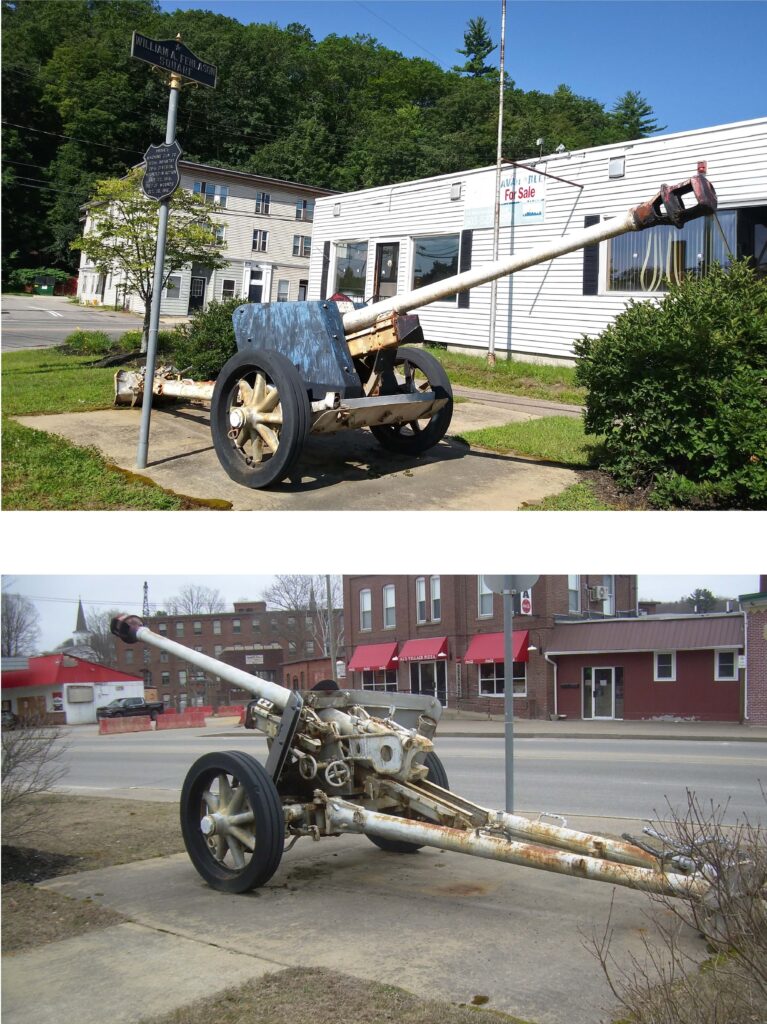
[[488, 647], [371, 657], [428, 649]]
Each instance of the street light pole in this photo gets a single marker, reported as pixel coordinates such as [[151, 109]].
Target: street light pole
[[508, 688]]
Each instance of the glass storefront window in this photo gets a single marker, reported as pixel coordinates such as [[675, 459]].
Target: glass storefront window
[[351, 268], [434, 259]]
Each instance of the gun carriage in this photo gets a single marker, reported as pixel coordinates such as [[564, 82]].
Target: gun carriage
[[322, 367]]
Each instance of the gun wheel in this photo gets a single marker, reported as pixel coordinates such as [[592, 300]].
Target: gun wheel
[[259, 417], [438, 776], [232, 821], [415, 372]]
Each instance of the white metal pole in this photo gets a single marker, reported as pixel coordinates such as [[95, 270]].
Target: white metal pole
[[508, 689], [497, 203]]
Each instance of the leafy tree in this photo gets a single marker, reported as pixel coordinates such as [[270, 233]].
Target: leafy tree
[[634, 117], [20, 626], [702, 599], [477, 47], [194, 599], [123, 235]]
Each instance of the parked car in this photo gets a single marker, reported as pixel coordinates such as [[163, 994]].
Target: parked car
[[125, 706]]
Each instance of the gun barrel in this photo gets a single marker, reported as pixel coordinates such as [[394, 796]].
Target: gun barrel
[[665, 208], [132, 630]]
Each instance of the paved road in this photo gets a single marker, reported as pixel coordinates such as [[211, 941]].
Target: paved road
[[604, 778], [42, 321]]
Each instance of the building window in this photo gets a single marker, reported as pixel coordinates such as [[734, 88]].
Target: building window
[[182, 677], [179, 629], [573, 594], [302, 245], [217, 651], [255, 625], [484, 599], [366, 610], [304, 209], [608, 604], [435, 257], [164, 656], [129, 657], [309, 646], [260, 240], [351, 268], [163, 628], [664, 666], [291, 646], [383, 679], [308, 622], [492, 681], [283, 291], [173, 287], [197, 627], [165, 678], [212, 193], [389, 610], [217, 627], [291, 620], [726, 663], [219, 233], [436, 600], [665, 255], [420, 599], [228, 289], [303, 289], [263, 202], [236, 626]]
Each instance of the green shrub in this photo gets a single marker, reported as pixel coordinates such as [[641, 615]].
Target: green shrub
[[204, 344], [130, 341], [679, 391], [88, 343]]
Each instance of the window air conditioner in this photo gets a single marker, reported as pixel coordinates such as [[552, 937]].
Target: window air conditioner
[[599, 593]]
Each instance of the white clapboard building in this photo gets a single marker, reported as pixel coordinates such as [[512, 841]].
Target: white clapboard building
[[382, 241]]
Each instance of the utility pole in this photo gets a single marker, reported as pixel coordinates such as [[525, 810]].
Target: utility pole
[[497, 204]]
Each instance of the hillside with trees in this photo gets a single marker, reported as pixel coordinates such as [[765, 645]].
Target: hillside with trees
[[344, 112]]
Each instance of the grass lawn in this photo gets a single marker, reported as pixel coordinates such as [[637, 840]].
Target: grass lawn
[[555, 383], [554, 438], [577, 498], [45, 472]]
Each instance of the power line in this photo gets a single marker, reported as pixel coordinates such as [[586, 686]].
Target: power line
[[72, 138], [400, 32]]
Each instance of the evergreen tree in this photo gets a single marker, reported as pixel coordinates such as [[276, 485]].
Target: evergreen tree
[[477, 48], [634, 117]]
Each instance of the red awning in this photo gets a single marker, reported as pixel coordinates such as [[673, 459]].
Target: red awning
[[488, 647], [371, 657], [424, 650]]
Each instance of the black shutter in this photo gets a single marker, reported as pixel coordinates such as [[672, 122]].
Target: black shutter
[[591, 261], [325, 265], [465, 264]]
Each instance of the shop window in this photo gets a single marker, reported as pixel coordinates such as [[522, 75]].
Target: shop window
[[302, 245], [263, 202], [383, 679], [351, 269], [664, 666], [435, 257], [484, 599], [492, 682]]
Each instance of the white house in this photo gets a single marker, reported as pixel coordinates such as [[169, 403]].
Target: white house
[[387, 240], [266, 224]]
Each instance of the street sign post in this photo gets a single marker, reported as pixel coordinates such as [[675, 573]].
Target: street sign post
[[509, 586], [161, 180]]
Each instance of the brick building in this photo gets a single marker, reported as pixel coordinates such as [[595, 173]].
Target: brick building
[[251, 637], [443, 635]]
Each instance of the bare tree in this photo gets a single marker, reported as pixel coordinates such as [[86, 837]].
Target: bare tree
[[100, 638], [20, 626], [290, 593], [307, 596], [195, 600], [32, 763]]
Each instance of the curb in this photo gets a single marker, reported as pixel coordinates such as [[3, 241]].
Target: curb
[[601, 736]]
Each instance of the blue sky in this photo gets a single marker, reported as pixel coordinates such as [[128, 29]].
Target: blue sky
[[697, 63]]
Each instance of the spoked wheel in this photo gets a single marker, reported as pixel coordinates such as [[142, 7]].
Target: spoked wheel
[[416, 371], [259, 417], [232, 821], [438, 776]]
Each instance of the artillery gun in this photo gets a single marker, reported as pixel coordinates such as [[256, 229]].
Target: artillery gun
[[322, 367], [348, 761]]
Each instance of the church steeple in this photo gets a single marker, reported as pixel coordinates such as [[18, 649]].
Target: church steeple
[[81, 629]]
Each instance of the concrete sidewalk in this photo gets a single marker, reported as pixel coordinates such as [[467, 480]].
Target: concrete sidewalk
[[347, 471]]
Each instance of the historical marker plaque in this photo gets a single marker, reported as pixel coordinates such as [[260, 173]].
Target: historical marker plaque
[[162, 176], [174, 56]]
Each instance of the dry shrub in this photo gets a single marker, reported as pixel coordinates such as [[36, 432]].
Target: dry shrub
[[32, 763]]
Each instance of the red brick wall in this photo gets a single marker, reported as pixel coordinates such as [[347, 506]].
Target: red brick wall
[[695, 694], [756, 641]]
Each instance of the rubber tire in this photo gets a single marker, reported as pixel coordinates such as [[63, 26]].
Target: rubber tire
[[296, 413], [269, 821], [392, 437], [438, 776]]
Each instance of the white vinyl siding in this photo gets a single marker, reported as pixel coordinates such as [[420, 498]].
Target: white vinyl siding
[[549, 310]]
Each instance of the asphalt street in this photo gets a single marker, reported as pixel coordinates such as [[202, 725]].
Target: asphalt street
[[604, 778], [42, 321]]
